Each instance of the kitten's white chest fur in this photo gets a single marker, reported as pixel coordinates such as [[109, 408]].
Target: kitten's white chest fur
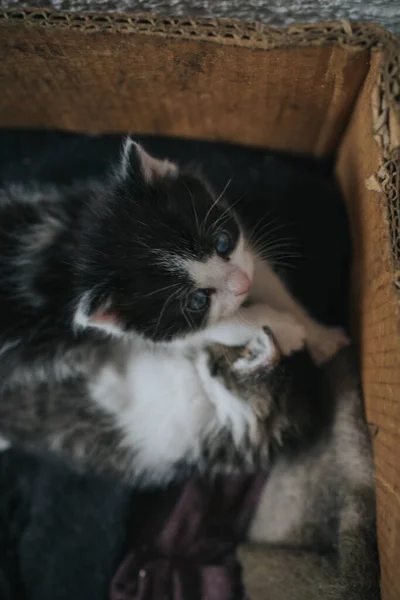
[[166, 404]]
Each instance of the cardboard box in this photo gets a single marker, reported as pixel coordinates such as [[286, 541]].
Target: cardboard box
[[322, 89]]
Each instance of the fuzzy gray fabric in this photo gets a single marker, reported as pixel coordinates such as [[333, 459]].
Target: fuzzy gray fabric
[[273, 12]]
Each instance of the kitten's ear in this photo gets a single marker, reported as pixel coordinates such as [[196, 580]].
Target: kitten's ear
[[97, 315], [136, 160]]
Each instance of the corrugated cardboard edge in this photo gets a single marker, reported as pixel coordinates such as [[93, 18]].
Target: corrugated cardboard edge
[[386, 96], [226, 31]]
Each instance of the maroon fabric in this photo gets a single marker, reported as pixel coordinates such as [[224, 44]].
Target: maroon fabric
[[185, 545]]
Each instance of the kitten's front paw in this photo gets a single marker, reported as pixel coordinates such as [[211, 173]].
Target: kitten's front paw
[[290, 335], [260, 353], [324, 342]]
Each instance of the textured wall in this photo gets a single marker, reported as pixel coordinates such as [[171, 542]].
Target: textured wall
[[275, 12]]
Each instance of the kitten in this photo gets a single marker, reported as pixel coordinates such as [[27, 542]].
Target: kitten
[[152, 416], [150, 253]]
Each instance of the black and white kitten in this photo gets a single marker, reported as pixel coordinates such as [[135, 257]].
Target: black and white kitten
[[151, 253]]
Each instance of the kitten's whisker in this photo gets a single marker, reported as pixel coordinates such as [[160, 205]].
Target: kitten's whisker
[[280, 225], [189, 321], [271, 253], [142, 296], [274, 260], [284, 261], [227, 213], [281, 240], [142, 223], [167, 301], [285, 244], [273, 238], [284, 265], [215, 203], [193, 205], [167, 287], [279, 250], [243, 319], [266, 234], [266, 253], [270, 232], [262, 221]]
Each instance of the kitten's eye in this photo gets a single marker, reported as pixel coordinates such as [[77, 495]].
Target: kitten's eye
[[224, 244], [198, 300]]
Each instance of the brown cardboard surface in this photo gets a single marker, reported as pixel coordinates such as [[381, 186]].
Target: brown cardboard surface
[[376, 319], [295, 98]]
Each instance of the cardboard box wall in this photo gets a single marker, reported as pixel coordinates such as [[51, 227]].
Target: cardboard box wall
[[322, 89]]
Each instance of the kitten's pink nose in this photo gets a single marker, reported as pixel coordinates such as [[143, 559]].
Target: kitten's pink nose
[[239, 283]]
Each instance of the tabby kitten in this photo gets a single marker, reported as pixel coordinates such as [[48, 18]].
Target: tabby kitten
[[152, 416]]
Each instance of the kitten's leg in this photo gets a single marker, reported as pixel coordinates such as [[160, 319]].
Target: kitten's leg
[[236, 439], [267, 287], [246, 324], [232, 373]]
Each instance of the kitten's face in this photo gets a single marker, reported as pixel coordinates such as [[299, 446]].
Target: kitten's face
[[163, 256]]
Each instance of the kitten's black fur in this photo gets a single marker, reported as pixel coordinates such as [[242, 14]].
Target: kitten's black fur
[[102, 246]]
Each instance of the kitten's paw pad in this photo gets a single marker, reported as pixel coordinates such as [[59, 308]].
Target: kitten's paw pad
[[325, 342], [260, 353], [290, 335]]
